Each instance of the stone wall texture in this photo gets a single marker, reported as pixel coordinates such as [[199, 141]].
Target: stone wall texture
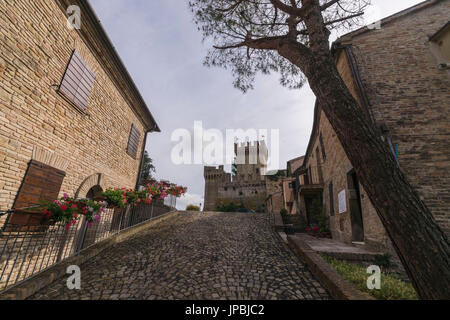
[[409, 95], [38, 123]]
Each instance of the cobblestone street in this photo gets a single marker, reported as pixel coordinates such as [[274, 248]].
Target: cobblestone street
[[196, 256]]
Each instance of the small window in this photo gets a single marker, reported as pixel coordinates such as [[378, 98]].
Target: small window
[[77, 82], [440, 45], [133, 141]]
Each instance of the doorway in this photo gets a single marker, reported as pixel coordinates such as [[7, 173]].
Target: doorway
[[354, 198]]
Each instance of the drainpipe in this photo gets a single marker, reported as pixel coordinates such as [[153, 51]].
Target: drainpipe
[[142, 156]]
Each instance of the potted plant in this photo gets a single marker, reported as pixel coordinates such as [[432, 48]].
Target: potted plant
[[114, 198]]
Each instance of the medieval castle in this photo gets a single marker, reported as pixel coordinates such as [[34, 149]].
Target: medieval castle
[[246, 186]]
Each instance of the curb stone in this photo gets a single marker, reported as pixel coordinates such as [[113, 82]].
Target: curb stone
[[337, 286]]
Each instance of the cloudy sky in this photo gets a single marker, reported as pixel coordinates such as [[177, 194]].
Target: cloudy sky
[[163, 52]]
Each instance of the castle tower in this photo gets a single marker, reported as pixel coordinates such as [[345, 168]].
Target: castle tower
[[251, 161], [214, 177]]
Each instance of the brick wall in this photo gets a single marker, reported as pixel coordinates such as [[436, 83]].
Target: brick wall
[[407, 93], [411, 96], [37, 122], [334, 170]]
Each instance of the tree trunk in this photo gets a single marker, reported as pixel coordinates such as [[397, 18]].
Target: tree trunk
[[419, 242]]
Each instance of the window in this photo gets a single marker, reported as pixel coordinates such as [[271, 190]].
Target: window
[[324, 157], [440, 46], [77, 82], [257, 171], [133, 141], [331, 195]]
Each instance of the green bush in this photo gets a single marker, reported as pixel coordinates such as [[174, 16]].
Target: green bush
[[230, 207], [192, 207], [392, 288], [283, 211]]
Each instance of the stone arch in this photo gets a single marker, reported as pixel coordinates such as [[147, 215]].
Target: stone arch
[[93, 181]]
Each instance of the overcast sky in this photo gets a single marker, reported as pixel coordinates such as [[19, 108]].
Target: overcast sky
[[163, 51]]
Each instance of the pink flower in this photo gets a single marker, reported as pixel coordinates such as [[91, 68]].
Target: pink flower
[[65, 196], [89, 224], [97, 217]]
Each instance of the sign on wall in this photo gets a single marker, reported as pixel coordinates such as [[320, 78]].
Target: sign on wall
[[342, 202]]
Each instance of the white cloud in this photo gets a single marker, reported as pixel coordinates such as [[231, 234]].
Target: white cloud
[[188, 199], [163, 52]]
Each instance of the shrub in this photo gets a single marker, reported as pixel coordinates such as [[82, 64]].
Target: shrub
[[230, 207], [192, 207], [283, 211]]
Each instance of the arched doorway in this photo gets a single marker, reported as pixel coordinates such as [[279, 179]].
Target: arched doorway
[[90, 187], [94, 193]]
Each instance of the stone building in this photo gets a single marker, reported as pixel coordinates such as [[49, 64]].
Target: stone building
[[248, 185], [399, 74], [274, 190], [72, 120]]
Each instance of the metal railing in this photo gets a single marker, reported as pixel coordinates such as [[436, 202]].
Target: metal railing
[[28, 250]]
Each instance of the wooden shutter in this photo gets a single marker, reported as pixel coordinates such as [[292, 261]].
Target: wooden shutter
[[41, 182], [133, 141], [78, 81]]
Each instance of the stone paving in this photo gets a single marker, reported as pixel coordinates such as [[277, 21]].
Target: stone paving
[[196, 256]]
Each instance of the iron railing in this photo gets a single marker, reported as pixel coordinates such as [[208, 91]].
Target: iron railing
[[28, 250]]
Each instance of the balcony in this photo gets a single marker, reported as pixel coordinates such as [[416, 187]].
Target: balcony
[[311, 180]]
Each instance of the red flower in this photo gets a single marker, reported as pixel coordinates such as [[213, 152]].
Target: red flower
[[63, 207], [74, 206]]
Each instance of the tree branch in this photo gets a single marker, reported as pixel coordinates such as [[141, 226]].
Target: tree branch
[[344, 18], [232, 7], [328, 4], [267, 43], [298, 12]]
